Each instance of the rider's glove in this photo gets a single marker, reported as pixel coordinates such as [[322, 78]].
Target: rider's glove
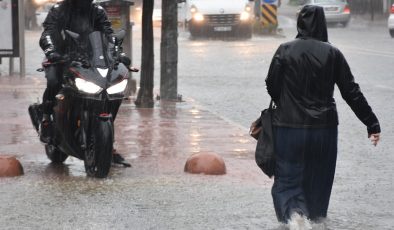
[[54, 56], [125, 60]]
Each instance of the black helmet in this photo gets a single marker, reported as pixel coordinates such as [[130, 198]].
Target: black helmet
[[81, 4]]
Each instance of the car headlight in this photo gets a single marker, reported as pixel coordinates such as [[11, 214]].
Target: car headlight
[[245, 16], [86, 86], [193, 9], [118, 88], [198, 17], [248, 8], [39, 2]]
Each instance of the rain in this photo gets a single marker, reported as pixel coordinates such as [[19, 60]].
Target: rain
[[220, 91]]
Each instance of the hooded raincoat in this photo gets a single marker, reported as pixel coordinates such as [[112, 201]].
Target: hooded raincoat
[[302, 76], [301, 82]]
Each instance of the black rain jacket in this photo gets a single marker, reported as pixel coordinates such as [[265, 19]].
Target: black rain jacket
[[302, 76], [64, 16]]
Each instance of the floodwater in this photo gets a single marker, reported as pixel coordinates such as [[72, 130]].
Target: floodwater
[[223, 84]]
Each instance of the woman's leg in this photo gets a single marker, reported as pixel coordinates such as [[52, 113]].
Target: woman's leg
[[287, 191], [320, 161]]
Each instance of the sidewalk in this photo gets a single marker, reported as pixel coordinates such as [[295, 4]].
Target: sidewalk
[[157, 142], [170, 131]]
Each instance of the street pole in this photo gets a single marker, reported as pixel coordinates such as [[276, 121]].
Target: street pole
[[22, 60], [169, 51], [145, 94]]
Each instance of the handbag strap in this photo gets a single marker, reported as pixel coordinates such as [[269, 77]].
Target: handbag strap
[[271, 106]]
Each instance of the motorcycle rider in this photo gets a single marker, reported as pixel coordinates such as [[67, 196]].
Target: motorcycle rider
[[79, 16]]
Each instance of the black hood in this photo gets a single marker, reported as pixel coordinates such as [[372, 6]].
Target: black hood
[[311, 23], [81, 5]]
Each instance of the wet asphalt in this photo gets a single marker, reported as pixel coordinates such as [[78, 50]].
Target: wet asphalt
[[222, 83]]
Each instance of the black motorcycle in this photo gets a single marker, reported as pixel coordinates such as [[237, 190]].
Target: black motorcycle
[[93, 89]]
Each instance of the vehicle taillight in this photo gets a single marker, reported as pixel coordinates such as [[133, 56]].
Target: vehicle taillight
[[392, 9], [346, 10]]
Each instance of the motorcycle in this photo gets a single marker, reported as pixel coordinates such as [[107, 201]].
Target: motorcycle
[[82, 124]]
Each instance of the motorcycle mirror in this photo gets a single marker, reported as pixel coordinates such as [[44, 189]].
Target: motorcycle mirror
[[120, 35]]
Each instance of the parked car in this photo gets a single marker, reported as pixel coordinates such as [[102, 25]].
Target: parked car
[[136, 13], [390, 22], [336, 11], [156, 15], [219, 16]]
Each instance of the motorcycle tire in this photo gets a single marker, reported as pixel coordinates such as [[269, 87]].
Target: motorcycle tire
[[54, 154], [98, 155]]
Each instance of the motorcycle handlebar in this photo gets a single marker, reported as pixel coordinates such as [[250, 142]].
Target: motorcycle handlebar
[[66, 58], [133, 69]]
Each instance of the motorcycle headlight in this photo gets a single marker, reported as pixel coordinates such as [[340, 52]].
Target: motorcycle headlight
[[118, 88], [86, 86]]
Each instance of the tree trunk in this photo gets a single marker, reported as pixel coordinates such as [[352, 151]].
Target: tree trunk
[[145, 94], [371, 9], [169, 51]]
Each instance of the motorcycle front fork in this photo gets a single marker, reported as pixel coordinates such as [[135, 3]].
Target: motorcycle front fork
[[87, 123]]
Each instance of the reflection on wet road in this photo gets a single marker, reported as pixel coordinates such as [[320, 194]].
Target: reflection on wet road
[[223, 83]]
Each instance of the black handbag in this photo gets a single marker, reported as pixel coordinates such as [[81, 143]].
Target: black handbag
[[265, 152]]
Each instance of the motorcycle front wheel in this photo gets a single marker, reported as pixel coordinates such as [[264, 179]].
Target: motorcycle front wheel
[[98, 155], [54, 154]]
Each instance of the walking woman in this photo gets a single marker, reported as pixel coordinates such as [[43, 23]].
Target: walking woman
[[301, 82]]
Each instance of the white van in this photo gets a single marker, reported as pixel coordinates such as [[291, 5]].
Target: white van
[[205, 17]]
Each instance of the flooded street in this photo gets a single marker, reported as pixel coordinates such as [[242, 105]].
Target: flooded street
[[222, 83]]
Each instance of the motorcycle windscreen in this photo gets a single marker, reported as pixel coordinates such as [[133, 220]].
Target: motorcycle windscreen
[[99, 57]]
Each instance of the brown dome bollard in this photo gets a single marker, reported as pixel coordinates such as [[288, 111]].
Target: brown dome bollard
[[207, 163], [10, 167]]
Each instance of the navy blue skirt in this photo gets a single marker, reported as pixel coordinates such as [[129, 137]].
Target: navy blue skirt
[[304, 173]]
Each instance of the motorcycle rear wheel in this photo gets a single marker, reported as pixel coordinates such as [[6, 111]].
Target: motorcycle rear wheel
[[54, 154], [98, 155]]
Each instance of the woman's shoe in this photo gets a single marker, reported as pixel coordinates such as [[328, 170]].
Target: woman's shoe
[[298, 222]]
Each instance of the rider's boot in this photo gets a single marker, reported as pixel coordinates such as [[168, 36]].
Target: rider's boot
[[118, 159], [45, 129]]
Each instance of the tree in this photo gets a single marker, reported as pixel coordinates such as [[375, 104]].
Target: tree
[[371, 9], [169, 51], [145, 94]]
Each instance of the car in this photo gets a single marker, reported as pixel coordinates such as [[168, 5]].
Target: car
[[390, 22], [156, 15], [336, 11], [219, 17]]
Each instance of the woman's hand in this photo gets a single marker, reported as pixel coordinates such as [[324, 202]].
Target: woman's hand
[[374, 137]]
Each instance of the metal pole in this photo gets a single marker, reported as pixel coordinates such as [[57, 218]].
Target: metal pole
[[131, 85], [11, 66], [21, 20]]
